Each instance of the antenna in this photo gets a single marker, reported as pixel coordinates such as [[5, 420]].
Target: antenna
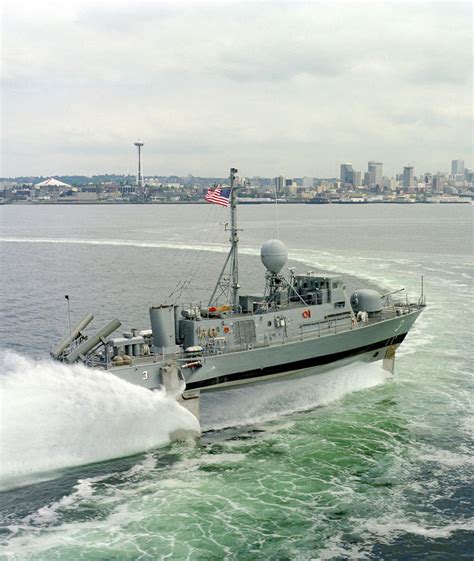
[[276, 212], [69, 317]]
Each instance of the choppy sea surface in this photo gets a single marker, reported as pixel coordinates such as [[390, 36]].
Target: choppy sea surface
[[355, 464]]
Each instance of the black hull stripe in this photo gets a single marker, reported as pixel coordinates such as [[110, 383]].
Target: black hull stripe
[[296, 365]]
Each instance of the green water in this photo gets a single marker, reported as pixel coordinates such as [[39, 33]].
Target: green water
[[366, 466]]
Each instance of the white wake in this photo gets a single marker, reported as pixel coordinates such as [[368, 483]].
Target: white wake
[[53, 416], [214, 247], [259, 403]]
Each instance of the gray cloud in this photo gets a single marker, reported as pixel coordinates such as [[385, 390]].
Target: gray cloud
[[289, 88]]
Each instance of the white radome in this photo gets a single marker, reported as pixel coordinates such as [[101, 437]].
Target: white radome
[[274, 255]]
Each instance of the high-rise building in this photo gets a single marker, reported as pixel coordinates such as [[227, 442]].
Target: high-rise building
[[346, 174], [279, 183], [437, 184], [291, 186], [457, 167], [408, 179], [375, 170], [356, 178], [389, 183]]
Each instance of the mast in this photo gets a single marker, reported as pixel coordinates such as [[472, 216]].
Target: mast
[[228, 284], [234, 241]]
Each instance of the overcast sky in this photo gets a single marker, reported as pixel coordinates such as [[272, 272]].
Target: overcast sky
[[290, 88]]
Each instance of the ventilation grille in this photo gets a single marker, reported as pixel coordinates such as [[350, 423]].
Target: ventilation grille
[[245, 332]]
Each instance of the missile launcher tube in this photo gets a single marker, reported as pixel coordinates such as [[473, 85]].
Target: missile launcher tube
[[69, 338], [90, 343]]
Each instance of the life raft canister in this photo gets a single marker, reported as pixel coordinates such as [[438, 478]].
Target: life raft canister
[[307, 314]]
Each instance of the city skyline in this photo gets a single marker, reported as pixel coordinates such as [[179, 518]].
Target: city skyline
[[347, 172], [274, 88]]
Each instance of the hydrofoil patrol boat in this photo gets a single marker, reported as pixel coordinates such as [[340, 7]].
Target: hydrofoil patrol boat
[[301, 325]]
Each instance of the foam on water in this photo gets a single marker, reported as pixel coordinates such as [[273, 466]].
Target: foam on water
[[401, 526], [55, 416], [48, 514], [268, 401], [220, 248]]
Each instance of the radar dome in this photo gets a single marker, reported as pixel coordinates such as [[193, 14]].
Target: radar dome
[[274, 255], [366, 300]]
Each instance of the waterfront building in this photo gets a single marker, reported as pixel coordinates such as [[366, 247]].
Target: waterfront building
[[408, 178], [279, 183], [389, 184], [457, 167], [127, 190], [52, 184], [375, 170], [291, 186], [347, 174], [357, 178]]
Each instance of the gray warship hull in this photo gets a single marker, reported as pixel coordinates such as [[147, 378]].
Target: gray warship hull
[[292, 359]]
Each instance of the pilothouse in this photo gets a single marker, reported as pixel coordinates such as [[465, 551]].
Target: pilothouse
[[302, 324]]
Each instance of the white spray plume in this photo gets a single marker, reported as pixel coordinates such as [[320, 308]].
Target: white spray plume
[[54, 416]]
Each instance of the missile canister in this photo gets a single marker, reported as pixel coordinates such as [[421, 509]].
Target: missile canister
[[90, 343], [69, 338]]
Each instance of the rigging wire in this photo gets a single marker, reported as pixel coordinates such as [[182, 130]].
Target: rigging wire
[[276, 212], [190, 255], [191, 275], [193, 268]]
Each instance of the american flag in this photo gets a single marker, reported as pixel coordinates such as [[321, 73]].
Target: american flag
[[218, 195]]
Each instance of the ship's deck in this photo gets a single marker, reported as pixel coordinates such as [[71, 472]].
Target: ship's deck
[[308, 331]]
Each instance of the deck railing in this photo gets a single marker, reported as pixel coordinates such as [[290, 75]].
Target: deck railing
[[306, 331]]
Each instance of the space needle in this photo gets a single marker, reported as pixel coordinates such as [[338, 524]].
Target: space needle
[[140, 184]]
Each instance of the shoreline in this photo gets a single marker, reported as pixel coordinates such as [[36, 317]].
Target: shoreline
[[162, 203]]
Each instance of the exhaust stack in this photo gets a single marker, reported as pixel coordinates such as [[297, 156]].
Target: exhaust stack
[[163, 326]]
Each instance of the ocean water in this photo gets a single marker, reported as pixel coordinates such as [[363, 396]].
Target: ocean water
[[355, 464]]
